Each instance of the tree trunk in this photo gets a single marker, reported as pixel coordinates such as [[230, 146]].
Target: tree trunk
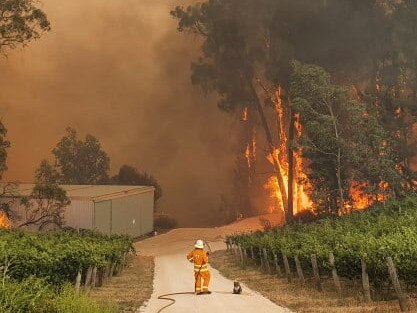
[[341, 202], [271, 147], [291, 135]]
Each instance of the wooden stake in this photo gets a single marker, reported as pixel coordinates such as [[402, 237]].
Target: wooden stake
[[277, 267], [112, 267], [101, 272], [87, 281], [78, 282], [252, 253], [287, 267], [336, 279], [245, 256], [94, 277], [402, 298], [261, 258], [267, 267], [316, 272], [299, 270], [124, 259], [365, 282], [242, 261]]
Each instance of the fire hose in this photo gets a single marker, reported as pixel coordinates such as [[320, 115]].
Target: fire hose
[[167, 297]]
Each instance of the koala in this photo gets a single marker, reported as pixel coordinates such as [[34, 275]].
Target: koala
[[237, 289]]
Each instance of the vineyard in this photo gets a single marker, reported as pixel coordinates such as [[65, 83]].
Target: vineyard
[[38, 270], [369, 237]]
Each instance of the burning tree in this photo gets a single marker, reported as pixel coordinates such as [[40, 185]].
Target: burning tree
[[341, 140], [248, 48]]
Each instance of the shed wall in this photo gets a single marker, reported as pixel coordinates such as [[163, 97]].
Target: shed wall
[[80, 214], [126, 216], [147, 209], [102, 216]]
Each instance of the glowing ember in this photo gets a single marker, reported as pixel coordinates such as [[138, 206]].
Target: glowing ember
[[4, 221]]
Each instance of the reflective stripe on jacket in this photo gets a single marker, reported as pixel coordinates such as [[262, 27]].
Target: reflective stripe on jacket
[[200, 260]]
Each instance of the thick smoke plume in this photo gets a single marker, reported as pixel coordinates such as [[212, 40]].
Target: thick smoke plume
[[120, 71]]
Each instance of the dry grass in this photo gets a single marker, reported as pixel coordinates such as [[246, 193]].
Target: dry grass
[[300, 298], [132, 288]]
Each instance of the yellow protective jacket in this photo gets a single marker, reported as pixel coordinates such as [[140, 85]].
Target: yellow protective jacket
[[200, 259]]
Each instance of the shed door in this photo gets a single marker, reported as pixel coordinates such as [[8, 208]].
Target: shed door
[[102, 217]]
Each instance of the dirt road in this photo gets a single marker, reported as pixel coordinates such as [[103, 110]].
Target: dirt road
[[173, 273]]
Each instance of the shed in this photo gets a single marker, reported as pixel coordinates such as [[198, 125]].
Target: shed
[[110, 209]]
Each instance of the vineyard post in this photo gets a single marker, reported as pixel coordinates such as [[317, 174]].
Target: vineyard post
[[267, 267], [113, 265], [124, 259], [277, 267], [78, 282], [107, 271], [336, 279], [94, 277], [299, 270], [287, 267], [316, 272], [261, 258], [252, 253], [227, 245], [120, 265], [88, 277], [242, 261], [402, 298], [245, 256], [365, 281], [101, 272]]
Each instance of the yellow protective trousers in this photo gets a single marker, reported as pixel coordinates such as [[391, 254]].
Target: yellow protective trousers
[[202, 277]]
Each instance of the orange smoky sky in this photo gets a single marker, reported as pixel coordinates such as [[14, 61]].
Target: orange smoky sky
[[120, 71]]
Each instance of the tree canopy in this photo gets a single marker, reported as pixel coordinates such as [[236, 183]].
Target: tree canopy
[[364, 69], [129, 175], [77, 161], [21, 22]]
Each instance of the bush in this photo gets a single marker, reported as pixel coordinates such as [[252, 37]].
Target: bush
[[58, 256], [34, 295], [385, 230], [69, 302], [30, 296]]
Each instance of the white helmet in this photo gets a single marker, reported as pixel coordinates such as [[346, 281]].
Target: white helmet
[[199, 244]]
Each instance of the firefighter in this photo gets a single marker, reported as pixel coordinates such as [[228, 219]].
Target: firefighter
[[200, 259]]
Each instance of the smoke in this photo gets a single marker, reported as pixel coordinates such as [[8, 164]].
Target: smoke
[[120, 71]]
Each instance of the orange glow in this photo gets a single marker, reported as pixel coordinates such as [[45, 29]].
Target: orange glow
[[302, 201], [4, 221], [361, 200], [245, 114], [248, 155]]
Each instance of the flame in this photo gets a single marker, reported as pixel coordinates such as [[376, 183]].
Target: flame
[[302, 201], [361, 200], [245, 114], [248, 155], [4, 221]]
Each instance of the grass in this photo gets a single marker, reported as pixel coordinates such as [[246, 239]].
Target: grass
[[299, 298], [132, 288], [69, 302]]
